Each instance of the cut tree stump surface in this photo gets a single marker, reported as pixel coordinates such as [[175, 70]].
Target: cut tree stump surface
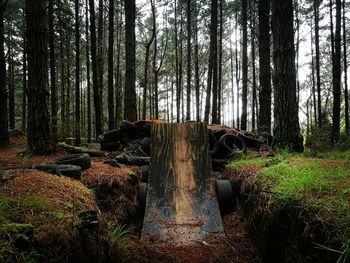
[[181, 206]]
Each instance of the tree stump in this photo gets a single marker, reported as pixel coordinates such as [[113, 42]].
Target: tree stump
[[181, 204]]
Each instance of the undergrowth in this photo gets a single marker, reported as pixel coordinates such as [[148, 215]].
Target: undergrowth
[[318, 184]]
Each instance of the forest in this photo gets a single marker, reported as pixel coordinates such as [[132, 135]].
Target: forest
[[116, 97], [173, 61]]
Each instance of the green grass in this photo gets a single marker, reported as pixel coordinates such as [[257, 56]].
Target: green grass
[[320, 184], [237, 165]]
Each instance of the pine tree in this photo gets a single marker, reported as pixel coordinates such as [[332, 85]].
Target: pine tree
[[39, 135], [286, 125]]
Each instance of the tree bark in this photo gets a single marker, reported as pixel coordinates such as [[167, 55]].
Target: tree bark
[[181, 90], [177, 66], [244, 67], [316, 6], [346, 94], [88, 85], [221, 29], [118, 75], [313, 88], [237, 75], [212, 65], [189, 70], [232, 83], [77, 75], [4, 138], [337, 73], [100, 59], [297, 47], [252, 37], [68, 91], [264, 69], [331, 28], [154, 65], [196, 51], [24, 92], [52, 71], [286, 126], [111, 117], [97, 100], [63, 82], [130, 110], [145, 81], [215, 66], [11, 86], [39, 135]]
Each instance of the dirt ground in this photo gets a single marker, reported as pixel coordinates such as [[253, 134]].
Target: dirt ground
[[120, 206]]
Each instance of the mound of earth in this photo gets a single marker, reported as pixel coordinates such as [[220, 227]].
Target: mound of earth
[[115, 189], [49, 218]]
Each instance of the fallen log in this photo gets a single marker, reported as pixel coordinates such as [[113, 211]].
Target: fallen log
[[75, 149], [132, 160]]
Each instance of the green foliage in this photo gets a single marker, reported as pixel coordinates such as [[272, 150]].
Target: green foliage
[[319, 140], [342, 156], [118, 234], [343, 143]]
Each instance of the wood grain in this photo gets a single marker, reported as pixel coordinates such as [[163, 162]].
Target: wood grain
[[181, 205]]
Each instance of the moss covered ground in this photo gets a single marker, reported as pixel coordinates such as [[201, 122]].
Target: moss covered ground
[[319, 185]]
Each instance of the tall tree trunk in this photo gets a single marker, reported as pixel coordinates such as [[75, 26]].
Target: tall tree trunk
[[244, 67], [337, 73], [52, 71], [77, 74], [11, 86], [313, 90], [220, 63], [177, 66], [145, 82], [232, 83], [39, 135], [118, 82], [24, 92], [189, 70], [237, 75], [97, 100], [68, 91], [100, 59], [181, 90], [252, 37], [215, 66], [88, 85], [264, 124], [155, 75], [111, 117], [346, 94], [297, 47], [316, 5], [332, 31], [286, 126], [196, 67], [63, 82], [212, 60], [130, 110], [4, 138]]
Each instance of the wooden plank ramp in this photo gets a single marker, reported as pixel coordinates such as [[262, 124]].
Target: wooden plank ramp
[[181, 206]]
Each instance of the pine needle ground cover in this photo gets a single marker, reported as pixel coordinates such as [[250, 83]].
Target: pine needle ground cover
[[40, 218], [305, 199]]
